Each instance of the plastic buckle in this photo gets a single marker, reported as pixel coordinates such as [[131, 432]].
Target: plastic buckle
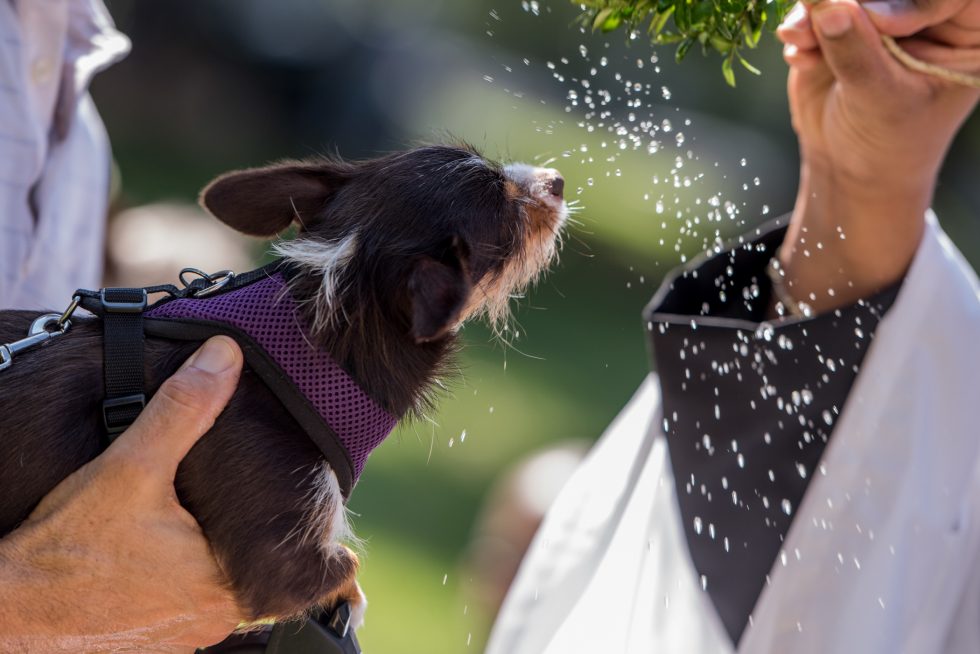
[[117, 402], [122, 307], [339, 622]]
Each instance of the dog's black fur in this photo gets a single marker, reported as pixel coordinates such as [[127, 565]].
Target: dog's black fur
[[436, 229]]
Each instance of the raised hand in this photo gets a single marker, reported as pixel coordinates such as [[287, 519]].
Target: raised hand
[[872, 137]]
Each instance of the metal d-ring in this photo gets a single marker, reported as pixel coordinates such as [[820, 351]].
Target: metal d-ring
[[216, 281]]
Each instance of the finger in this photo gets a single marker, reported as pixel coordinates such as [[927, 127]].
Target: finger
[[184, 408], [964, 60], [852, 47], [802, 60], [906, 17], [796, 29]]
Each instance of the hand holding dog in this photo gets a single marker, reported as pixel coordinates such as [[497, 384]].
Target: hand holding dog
[[109, 560], [873, 135]]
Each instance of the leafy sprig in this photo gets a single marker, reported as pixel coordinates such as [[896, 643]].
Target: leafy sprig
[[726, 26]]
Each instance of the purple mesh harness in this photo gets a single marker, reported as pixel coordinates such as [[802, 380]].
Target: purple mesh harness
[[264, 318]]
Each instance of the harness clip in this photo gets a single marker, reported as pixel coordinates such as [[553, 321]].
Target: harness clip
[[119, 413]]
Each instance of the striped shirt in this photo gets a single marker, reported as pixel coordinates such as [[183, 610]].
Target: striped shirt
[[54, 152]]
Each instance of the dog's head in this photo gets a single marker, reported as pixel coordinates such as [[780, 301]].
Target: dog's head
[[428, 237]]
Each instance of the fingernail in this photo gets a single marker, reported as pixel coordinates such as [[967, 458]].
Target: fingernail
[[832, 21], [888, 7], [217, 355]]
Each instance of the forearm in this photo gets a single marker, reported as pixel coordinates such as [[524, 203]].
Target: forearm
[[847, 241]]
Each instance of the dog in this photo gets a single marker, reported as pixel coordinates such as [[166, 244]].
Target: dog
[[392, 256]]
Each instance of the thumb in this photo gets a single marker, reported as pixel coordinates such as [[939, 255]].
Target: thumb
[[852, 47], [185, 407]]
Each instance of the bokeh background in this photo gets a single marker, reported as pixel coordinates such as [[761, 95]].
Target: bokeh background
[[667, 161]]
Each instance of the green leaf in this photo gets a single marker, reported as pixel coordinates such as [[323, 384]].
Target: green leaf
[[727, 72], [724, 46], [611, 23], [600, 18], [658, 23], [749, 67], [683, 49]]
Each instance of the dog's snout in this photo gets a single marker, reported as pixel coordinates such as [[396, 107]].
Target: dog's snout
[[543, 184], [558, 186]]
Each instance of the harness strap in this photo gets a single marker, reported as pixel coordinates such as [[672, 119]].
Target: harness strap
[[122, 320]]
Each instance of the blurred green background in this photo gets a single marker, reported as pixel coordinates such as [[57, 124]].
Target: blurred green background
[[218, 84]]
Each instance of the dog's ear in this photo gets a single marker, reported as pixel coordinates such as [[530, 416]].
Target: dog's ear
[[265, 201], [439, 289]]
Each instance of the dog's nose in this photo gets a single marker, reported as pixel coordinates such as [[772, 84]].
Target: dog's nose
[[558, 186]]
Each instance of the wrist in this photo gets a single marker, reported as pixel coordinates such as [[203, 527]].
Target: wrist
[[848, 240], [878, 187]]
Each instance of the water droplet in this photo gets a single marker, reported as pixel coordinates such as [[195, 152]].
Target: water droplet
[[787, 507], [531, 6], [698, 525]]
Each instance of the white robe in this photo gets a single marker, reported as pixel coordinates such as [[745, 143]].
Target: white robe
[[883, 555]]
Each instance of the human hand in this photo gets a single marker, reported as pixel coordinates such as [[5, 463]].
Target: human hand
[[859, 111], [872, 136], [109, 560]]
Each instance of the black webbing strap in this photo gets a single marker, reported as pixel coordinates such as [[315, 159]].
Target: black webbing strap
[[122, 320]]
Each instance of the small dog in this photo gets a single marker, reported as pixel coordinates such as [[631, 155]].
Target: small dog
[[392, 256]]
